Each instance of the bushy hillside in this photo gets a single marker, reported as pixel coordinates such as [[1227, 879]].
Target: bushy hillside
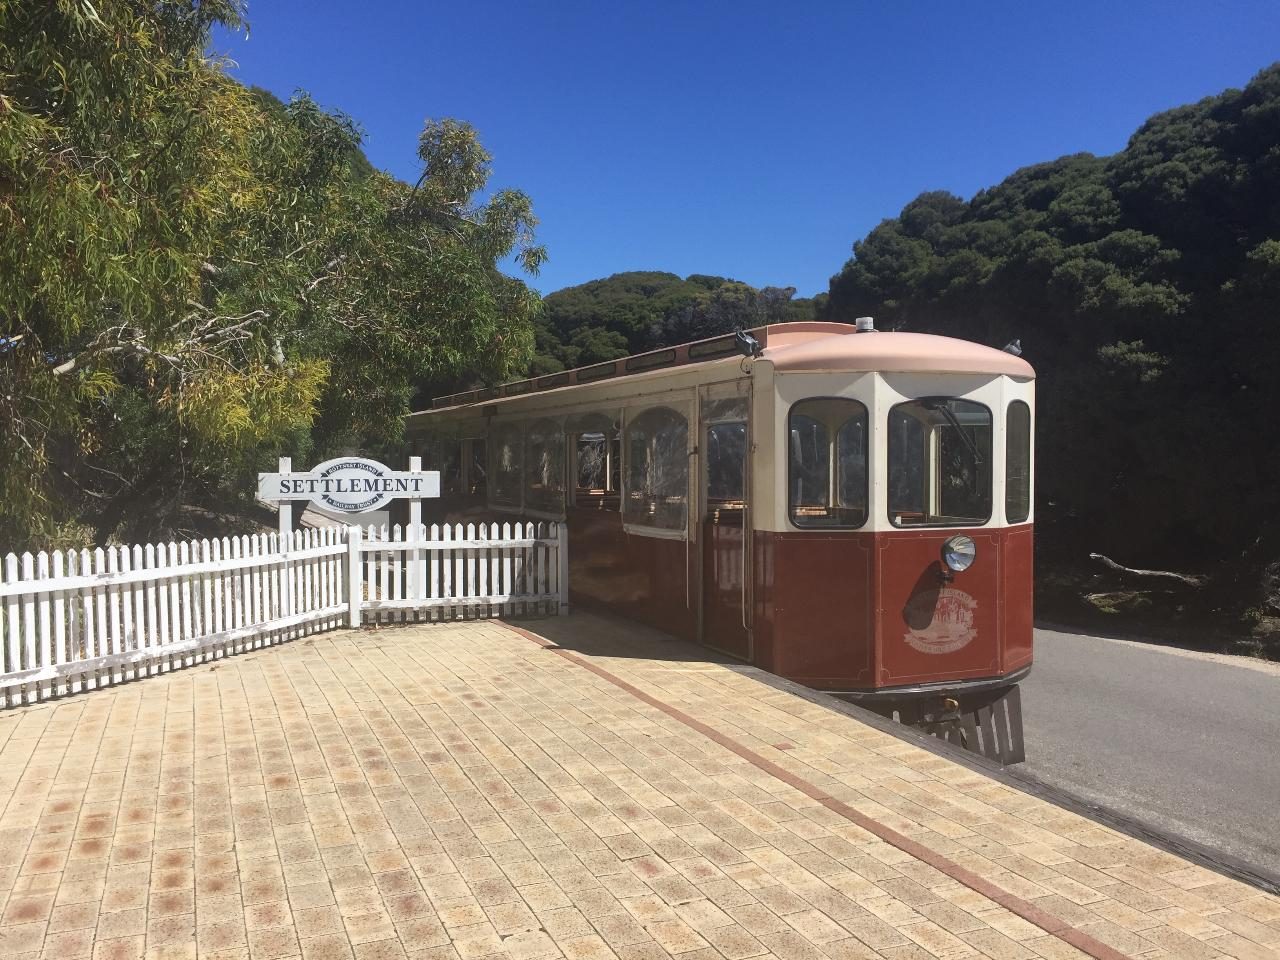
[[643, 310], [1145, 288]]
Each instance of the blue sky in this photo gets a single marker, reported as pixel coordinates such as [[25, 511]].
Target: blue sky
[[743, 139]]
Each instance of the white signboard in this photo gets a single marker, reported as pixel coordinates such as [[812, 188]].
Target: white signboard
[[348, 485]]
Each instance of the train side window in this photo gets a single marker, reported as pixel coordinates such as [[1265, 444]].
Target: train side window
[[827, 438], [443, 454], [450, 460], [506, 474], [544, 467], [1017, 463], [593, 468], [724, 424], [477, 479], [657, 470], [596, 467], [597, 454], [939, 463], [726, 454]]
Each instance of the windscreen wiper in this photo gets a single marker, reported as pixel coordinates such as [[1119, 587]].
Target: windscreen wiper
[[944, 407]]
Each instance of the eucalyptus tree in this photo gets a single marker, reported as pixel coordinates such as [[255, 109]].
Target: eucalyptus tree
[[194, 277]]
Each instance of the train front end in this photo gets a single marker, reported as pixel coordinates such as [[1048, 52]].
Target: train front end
[[895, 568]]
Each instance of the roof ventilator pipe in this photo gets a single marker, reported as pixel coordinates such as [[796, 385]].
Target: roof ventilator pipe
[[866, 324]]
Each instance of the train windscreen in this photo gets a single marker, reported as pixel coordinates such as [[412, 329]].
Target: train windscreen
[[1017, 463], [939, 463], [827, 439]]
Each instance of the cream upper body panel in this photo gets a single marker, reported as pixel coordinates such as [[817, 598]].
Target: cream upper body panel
[[799, 362], [879, 393]]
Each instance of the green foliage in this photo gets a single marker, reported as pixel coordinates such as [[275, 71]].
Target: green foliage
[[195, 277], [1144, 288], [644, 310]]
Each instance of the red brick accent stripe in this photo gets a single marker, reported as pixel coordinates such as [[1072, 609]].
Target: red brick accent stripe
[[1023, 908]]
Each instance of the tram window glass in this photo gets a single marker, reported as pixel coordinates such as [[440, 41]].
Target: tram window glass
[[507, 473], [447, 454], [939, 463], [726, 457], [593, 464], [657, 489], [477, 467], [827, 437], [725, 425], [1017, 463], [598, 456], [544, 467]]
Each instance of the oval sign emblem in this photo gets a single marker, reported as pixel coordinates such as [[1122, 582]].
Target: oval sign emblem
[[354, 484], [940, 621]]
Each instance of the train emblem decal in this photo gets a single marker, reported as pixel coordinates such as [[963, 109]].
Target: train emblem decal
[[941, 621]]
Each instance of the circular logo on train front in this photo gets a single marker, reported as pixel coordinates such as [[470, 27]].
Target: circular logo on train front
[[940, 621]]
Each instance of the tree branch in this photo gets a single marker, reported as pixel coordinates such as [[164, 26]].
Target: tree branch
[[1191, 580]]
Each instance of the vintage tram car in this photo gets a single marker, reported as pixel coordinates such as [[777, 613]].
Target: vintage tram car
[[846, 508]]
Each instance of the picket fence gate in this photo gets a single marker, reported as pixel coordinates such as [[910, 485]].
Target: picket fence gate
[[81, 619]]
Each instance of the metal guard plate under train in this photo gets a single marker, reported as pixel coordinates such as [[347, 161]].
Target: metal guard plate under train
[[846, 508]]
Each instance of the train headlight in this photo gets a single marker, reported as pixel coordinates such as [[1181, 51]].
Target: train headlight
[[958, 553]]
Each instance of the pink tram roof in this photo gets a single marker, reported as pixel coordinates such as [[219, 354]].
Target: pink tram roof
[[845, 349], [791, 347]]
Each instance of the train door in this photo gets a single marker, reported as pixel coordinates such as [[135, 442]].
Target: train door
[[725, 535]]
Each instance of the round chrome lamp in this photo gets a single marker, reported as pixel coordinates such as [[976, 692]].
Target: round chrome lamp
[[958, 553]]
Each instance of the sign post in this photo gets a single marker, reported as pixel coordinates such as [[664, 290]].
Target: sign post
[[285, 510]]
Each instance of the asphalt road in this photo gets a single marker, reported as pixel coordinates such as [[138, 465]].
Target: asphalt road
[[1187, 743]]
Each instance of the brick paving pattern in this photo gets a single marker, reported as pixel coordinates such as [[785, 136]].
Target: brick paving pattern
[[457, 791]]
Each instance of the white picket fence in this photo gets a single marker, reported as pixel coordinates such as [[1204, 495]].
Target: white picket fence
[[84, 619], [487, 570]]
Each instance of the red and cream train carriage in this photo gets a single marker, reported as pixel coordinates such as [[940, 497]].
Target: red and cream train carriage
[[848, 509]]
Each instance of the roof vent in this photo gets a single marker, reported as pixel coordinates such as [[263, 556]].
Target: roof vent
[[866, 324], [1014, 347]]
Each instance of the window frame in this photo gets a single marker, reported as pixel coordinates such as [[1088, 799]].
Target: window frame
[[1029, 447], [832, 466], [943, 525]]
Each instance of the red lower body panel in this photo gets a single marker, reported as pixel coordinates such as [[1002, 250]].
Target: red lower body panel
[[833, 610], [723, 560], [813, 621], [644, 578], [870, 611]]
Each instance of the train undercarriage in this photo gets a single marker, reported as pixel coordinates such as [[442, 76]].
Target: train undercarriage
[[983, 717]]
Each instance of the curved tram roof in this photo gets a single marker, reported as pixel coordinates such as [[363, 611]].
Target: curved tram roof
[[789, 347]]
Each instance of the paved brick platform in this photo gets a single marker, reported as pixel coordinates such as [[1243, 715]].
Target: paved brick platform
[[462, 791]]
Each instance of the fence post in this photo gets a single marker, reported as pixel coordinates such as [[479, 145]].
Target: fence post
[[562, 564], [413, 575], [355, 589]]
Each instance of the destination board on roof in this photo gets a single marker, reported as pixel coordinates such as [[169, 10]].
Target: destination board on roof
[[349, 485]]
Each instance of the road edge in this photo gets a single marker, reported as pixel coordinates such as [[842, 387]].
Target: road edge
[[1226, 864]]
